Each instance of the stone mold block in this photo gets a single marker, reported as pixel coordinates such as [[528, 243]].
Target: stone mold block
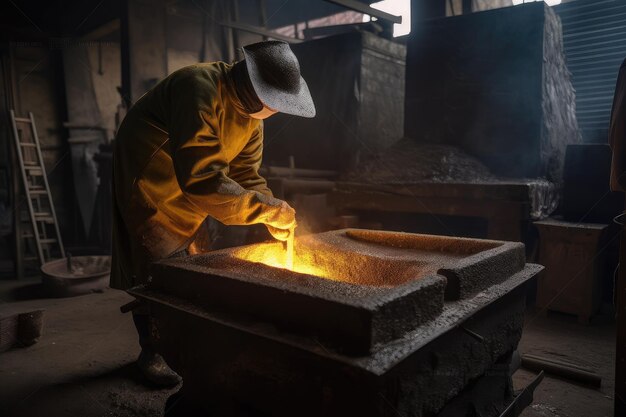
[[372, 286]]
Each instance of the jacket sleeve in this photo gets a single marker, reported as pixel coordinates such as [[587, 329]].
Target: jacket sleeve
[[199, 161], [244, 169]]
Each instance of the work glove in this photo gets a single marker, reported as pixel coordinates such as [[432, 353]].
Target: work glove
[[282, 223]]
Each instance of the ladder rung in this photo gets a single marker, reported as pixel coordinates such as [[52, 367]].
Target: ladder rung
[[47, 241], [30, 258], [28, 144], [27, 235], [22, 119], [43, 216], [31, 191], [34, 170]]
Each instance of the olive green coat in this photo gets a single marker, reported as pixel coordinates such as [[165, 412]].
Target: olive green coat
[[186, 150]]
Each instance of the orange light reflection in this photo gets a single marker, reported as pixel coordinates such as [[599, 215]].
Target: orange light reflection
[[274, 255]]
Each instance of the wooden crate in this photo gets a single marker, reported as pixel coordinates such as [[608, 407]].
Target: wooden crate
[[575, 266]]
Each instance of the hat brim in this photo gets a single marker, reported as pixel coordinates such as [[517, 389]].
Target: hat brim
[[298, 104]]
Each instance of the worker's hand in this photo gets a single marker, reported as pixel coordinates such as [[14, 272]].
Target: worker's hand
[[279, 234], [283, 222]]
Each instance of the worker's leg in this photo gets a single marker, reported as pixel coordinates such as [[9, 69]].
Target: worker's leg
[[130, 268], [151, 364]]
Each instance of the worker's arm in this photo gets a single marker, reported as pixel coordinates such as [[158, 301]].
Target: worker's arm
[[244, 169], [201, 166]]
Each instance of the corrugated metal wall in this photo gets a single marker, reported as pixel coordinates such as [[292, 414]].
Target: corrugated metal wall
[[594, 36]]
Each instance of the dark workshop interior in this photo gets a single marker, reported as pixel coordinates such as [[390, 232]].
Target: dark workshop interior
[[320, 208]]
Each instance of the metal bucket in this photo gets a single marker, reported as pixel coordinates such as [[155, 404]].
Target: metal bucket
[[77, 275]]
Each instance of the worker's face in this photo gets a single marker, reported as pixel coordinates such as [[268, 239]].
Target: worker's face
[[264, 113]]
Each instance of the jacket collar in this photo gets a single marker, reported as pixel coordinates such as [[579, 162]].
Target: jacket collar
[[232, 93]]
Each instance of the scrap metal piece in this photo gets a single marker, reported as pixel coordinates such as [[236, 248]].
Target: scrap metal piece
[[562, 369], [19, 328], [128, 307], [523, 399], [473, 334]]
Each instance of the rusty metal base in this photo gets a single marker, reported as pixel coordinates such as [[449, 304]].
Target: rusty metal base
[[485, 397], [235, 366]]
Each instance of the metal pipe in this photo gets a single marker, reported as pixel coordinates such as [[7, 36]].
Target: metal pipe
[[364, 8], [568, 371], [295, 185], [297, 172], [259, 31]]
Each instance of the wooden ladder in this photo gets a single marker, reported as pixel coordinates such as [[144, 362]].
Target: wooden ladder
[[44, 228]]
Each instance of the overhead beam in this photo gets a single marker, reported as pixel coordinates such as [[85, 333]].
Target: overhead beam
[[339, 29], [364, 8], [104, 30], [260, 31]]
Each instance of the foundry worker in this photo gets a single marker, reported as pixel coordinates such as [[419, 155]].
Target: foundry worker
[[190, 149]]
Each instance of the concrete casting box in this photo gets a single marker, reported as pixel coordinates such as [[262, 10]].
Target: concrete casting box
[[352, 289], [367, 323]]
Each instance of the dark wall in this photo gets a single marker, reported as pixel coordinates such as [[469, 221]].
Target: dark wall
[[476, 81], [331, 68], [381, 122], [357, 84]]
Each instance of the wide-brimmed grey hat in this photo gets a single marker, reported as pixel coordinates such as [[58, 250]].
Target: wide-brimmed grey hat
[[275, 75]]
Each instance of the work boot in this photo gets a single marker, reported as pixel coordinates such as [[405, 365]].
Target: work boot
[[151, 364], [155, 369]]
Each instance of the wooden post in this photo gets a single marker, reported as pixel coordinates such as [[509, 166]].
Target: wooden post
[[13, 101], [263, 16], [467, 6], [235, 18], [143, 46]]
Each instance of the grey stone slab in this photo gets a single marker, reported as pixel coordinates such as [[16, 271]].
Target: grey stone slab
[[373, 287]]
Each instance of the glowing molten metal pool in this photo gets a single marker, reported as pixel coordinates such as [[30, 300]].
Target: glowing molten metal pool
[[361, 257], [274, 254]]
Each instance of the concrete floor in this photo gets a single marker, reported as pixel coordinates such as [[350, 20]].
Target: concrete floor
[[83, 364], [559, 336]]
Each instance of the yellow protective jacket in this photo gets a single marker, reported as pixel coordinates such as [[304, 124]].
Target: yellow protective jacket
[[186, 150]]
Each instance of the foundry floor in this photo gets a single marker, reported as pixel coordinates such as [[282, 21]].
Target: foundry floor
[[83, 363]]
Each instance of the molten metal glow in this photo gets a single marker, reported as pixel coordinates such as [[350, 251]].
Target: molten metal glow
[[290, 251], [275, 255]]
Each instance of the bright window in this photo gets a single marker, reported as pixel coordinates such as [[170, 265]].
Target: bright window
[[549, 2], [398, 8]]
